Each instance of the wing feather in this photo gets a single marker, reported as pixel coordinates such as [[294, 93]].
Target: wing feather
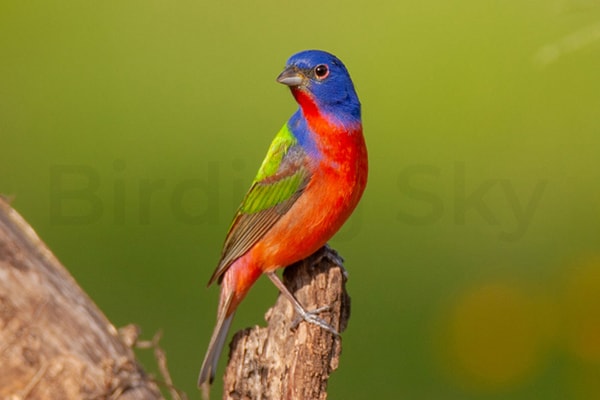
[[281, 180]]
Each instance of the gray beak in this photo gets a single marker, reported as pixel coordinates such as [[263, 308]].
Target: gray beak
[[291, 76]]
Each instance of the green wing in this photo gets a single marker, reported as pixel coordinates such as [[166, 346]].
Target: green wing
[[281, 179]]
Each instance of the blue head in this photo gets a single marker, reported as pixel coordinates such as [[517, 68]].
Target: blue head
[[325, 80]]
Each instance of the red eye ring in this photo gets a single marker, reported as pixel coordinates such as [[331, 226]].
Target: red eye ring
[[321, 71]]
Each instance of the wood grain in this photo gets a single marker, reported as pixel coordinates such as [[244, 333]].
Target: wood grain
[[54, 342], [277, 362]]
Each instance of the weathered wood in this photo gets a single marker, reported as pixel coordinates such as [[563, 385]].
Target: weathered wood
[[277, 362], [54, 342]]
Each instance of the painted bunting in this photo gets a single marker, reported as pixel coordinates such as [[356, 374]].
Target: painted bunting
[[311, 180]]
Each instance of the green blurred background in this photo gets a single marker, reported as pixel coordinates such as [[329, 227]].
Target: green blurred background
[[130, 130]]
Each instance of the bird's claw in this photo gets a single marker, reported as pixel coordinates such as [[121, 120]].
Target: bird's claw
[[311, 318], [331, 255], [327, 253]]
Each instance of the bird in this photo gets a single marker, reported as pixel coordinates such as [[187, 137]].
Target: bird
[[309, 183]]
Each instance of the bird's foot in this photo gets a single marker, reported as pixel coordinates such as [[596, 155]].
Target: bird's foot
[[327, 253], [312, 318], [331, 255], [308, 316]]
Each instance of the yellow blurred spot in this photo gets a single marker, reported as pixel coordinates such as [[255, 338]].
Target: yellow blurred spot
[[582, 311], [493, 336]]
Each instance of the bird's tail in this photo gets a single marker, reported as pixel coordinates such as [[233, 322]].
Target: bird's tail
[[217, 340]]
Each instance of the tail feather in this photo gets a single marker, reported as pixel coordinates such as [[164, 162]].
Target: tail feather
[[236, 282], [211, 359]]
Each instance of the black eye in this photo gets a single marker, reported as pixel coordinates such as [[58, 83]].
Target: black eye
[[321, 71]]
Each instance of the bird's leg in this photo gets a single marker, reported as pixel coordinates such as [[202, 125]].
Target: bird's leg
[[308, 316]]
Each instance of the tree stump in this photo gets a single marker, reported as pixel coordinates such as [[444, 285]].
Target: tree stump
[[54, 342], [276, 362]]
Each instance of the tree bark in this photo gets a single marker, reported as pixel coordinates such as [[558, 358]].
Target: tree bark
[[277, 362], [54, 342]]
